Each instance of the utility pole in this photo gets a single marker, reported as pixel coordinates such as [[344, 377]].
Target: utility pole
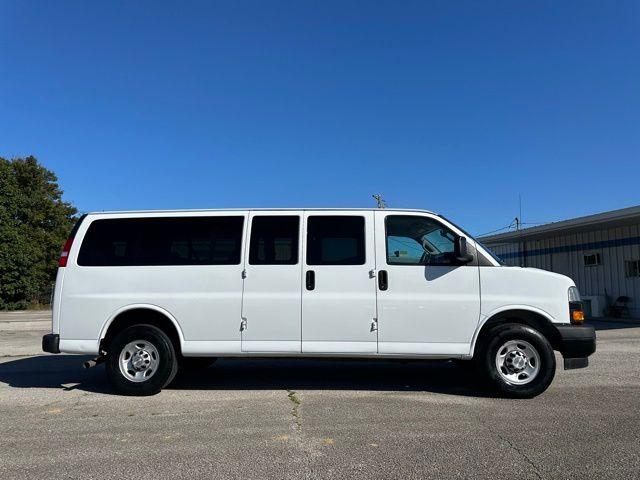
[[379, 200]]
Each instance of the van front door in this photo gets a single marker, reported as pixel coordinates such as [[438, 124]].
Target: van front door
[[271, 302], [339, 292], [428, 302]]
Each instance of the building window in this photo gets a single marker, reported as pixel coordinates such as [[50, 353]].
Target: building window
[[592, 259], [632, 268]]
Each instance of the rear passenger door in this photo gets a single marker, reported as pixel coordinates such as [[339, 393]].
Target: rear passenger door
[[271, 300], [339, 290]]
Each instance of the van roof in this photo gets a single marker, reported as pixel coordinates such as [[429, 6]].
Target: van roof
[[198, 210]]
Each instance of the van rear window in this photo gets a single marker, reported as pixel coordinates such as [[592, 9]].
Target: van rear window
[[162, 241]]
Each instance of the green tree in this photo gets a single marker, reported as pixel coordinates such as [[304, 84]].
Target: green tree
[[34, 223]]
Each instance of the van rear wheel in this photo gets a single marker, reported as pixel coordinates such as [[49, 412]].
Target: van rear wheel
[[517, 360], [141, 360]]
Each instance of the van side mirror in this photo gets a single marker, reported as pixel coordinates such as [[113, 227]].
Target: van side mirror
[[461, 252]]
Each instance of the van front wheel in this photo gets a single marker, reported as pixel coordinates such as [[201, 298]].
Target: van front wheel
[[141, 360], [517, 360]]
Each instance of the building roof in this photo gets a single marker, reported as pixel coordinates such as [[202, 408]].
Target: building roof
[[613, 218]]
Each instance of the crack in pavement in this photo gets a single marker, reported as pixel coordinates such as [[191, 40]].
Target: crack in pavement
[[516, 449], [305, 445], [513, 447], [295, 412]]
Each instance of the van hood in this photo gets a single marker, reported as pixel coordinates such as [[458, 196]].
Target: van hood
[[551, 276]]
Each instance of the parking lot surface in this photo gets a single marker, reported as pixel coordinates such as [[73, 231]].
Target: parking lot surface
[[299, 419]]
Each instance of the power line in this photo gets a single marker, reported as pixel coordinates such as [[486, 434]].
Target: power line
[[515, 223], [496, 230], [511, 225]]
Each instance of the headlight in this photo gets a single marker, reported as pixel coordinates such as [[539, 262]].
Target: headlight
[[574, 294], [576, 315]]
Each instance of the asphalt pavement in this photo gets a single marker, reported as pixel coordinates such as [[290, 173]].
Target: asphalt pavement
[[294, 419]]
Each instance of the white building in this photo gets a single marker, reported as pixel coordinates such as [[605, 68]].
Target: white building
[[601, 253]]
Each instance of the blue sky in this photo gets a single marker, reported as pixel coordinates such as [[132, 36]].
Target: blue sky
[[457, 107]]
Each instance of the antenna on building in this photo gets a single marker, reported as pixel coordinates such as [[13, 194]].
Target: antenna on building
[[380, 201], [519, 219], [523, 245]]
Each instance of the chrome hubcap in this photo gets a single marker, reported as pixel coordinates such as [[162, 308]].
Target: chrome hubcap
[[517, 362], [139, 360]]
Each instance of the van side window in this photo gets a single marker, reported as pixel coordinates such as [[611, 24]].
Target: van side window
[[274, 240], [335, 240], [162, 241], [413, 240]]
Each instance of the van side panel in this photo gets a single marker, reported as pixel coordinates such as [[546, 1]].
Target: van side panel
[[205, 300]]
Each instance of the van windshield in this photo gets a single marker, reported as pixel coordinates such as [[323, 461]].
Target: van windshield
[[490, 252]]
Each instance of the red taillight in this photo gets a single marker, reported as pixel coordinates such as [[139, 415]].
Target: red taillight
[[64, 255]]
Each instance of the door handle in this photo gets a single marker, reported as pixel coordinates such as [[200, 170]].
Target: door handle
[[383, 280], [311, 280]]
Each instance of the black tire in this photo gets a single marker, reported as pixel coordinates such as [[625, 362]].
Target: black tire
[[166, 366], [495, 339], [188, 365]]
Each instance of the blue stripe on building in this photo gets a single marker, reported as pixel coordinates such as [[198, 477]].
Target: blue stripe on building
[[574, 248]]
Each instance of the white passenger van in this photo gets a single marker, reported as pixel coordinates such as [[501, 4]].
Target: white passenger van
[[151, 292]]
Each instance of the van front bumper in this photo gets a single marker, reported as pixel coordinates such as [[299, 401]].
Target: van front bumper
[[577, 342], [51, 343]]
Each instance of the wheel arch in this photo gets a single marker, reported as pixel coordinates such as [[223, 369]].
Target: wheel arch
[[523, 315], [142, 313]]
